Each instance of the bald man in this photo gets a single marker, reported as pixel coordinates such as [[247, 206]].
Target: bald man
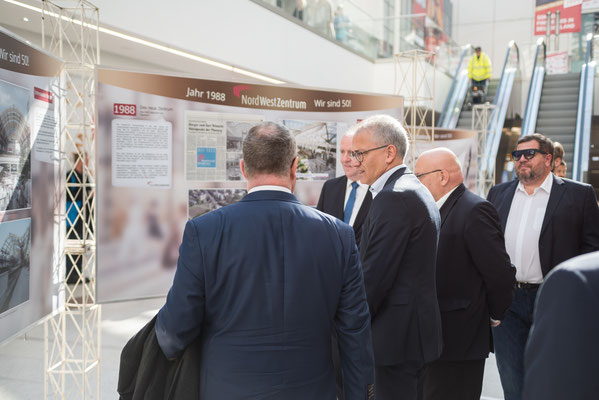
[[475, 280]]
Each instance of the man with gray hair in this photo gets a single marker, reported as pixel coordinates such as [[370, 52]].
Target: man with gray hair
[[263, 306], [398, 251]]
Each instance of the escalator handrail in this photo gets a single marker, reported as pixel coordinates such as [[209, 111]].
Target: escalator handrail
[[466, 49], [512, 44], [582, 128], [540, 44]]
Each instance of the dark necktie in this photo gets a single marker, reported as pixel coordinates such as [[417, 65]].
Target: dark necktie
[[350, 203]]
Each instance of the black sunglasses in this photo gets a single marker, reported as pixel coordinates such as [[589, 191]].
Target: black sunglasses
[[528, 153]]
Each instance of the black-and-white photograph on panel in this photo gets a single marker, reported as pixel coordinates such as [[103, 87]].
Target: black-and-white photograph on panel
[[15, 139], [15, 245], [236, 133], [202, 201], [316, 147]]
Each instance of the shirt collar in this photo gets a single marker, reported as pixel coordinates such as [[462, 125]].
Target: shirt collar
[[349, 182], [443, 199], [546, 185], [378, 185], [269, 187]]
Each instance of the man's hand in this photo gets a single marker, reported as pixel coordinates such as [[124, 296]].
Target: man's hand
[[494, 322]]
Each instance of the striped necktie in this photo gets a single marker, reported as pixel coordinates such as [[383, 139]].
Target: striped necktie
[[350, 203]]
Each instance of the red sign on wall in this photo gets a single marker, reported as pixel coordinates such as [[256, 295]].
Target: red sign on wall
[[569, 16]]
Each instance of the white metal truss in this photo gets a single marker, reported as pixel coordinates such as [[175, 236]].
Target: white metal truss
[[484, 116], [72, 336], [415, 72]]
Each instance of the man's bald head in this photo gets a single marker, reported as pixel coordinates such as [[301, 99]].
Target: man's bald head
[[439, 170]]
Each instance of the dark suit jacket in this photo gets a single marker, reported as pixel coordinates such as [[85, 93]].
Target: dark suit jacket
[[475, 279], [571, 223], [332, 199], [398, 251], [562, 354], [264, 281], [146, 374]]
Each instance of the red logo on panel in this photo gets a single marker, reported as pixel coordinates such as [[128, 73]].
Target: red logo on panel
[[240, 88]]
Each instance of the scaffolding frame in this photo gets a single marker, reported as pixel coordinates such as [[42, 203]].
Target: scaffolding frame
[[72, 335], [484, 116], [418, 88]]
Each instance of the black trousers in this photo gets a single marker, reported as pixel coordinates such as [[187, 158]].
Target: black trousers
[[454, 380], [403, 381]]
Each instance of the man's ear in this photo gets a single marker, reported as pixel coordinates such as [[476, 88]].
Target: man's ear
[[242, 167], [444, 177], [293, 172], [391, 152]]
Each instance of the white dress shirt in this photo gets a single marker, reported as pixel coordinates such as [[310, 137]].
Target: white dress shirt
[[269, 187], [443, 199], [361, 191], [379, 184], [523, 229]]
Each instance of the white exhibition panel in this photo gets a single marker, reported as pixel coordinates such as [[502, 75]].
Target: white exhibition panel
[[169, 149], [29, 184]]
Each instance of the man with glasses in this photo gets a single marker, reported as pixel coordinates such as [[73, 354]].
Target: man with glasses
[[546, 220], [398, 251], [475, 280], [263, 282], [345, 197]]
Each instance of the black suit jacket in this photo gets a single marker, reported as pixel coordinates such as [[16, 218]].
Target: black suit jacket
[[571, 223], [398, 251], [146, 374], [475, 279], [332, 199], [562, 354]]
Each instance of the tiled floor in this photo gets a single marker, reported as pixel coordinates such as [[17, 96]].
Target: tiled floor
[[22, 359]]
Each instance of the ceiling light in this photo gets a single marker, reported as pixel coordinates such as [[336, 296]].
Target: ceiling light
[[25, 19], [153, 45]]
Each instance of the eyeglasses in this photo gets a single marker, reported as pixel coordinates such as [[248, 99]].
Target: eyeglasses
[[527, 153], [429, 172], [359, 155]]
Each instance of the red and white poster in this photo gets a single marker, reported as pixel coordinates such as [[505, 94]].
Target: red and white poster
[[570, 16], [557, 63]]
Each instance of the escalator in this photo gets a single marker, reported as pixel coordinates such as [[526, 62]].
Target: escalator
[[558, 110], [465, 119], [561, 108]]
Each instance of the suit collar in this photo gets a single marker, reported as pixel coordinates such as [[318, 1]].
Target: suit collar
[[270, 195], [557, 191], [451, 201], [503, 208]]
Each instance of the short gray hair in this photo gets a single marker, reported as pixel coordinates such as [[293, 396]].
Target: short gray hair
[[268, 148], [386, 130]]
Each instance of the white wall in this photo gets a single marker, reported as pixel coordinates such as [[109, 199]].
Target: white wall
[[491, 24]]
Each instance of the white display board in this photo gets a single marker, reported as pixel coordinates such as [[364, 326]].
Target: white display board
[[29, 182], [169, 149]]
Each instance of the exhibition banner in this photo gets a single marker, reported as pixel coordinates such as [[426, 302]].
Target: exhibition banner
[[570, 16], [29, 138], [169, 149]]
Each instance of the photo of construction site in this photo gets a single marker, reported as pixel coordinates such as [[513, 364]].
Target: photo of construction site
[[15, 244], [202, 201], [15, 139], [316, 147]]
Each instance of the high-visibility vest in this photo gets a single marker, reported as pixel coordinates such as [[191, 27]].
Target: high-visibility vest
[[479, 68]]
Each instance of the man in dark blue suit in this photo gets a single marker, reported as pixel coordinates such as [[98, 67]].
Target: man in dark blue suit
[[398, 251], [546, 220], [264, 282], [562, 354]]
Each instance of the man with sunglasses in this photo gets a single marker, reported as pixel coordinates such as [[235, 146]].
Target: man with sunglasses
[[475, 280], [546, 220], [398, 251]]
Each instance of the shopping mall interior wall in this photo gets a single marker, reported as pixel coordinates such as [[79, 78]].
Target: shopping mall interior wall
[[491, 24], [244, 34]]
